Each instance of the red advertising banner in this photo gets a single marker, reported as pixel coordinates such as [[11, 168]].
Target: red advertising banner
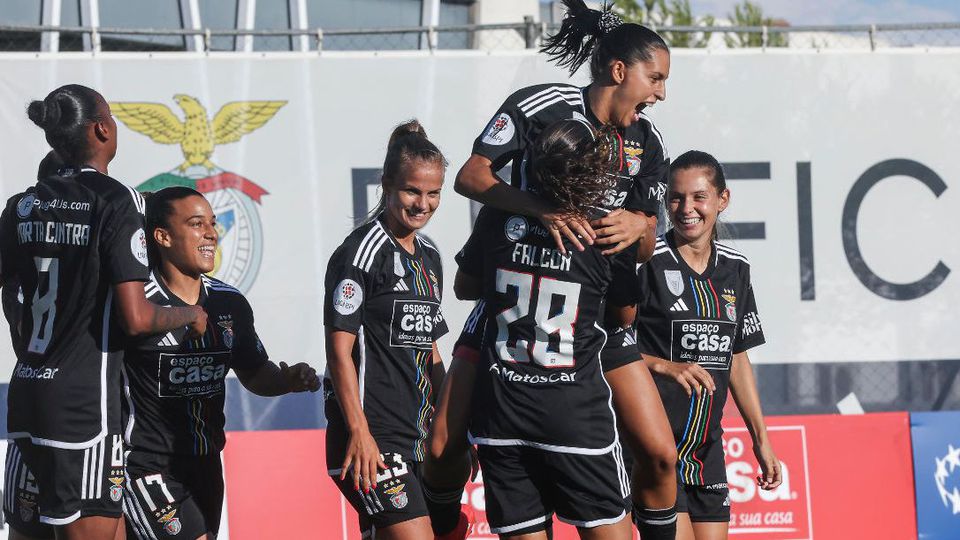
[[843, 477]]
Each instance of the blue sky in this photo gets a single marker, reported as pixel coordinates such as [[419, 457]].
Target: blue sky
[[843, 11]]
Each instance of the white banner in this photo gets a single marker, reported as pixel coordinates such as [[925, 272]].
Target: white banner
[[839, 163]]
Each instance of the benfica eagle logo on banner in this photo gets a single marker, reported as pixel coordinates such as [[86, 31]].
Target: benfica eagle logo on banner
[[234, 198]]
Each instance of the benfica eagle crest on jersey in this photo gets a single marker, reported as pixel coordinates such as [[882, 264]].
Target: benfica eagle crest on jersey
[[234, 198], [674, 281]]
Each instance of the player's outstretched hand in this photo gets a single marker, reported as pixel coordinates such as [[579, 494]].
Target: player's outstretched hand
[[619, 229], [363, 460], [199, 324], [691, 377], [574, 228], [769, 466], [300, 377]]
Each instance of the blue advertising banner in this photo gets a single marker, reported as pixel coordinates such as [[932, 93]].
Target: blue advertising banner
[[936, 468]]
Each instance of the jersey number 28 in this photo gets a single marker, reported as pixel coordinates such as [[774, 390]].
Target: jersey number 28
[[548, 320]]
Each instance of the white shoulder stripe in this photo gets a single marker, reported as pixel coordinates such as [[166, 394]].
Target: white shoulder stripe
[[367, 262], [365, 243], [552, 99], [732, 256], [138, 201], [662, 250], [728, 249], [571, 94], [548, 90], [653, 127], [426, 243]]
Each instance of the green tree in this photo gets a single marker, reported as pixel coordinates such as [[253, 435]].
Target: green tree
[[750, 14], [659, 13]]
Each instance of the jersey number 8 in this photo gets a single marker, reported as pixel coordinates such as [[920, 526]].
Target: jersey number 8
[[559, 323], [44, 305]]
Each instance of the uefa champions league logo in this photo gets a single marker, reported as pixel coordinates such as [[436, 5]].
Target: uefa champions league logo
[[945, 468]]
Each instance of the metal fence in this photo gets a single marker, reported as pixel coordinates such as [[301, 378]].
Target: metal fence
[[486, 37]]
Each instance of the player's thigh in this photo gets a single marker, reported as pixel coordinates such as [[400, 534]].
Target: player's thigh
[[643, 420], [621, 530], [710, 530], [539, 535], [684, 527], [412, 529], [90, 528], [448, 430]]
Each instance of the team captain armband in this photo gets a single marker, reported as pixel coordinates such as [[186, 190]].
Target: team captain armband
[[620, 348]]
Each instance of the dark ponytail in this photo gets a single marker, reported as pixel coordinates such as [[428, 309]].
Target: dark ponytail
[[408, 142], [574, 165], [601, 37], [696, 159], [64, 116]]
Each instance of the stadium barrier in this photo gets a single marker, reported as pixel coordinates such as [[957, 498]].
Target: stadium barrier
[[844, 477]]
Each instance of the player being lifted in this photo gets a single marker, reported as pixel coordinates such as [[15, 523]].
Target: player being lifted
[[176, 382], [382, 317], [629, 65], [697, 317], [542, 412], [75, 244]]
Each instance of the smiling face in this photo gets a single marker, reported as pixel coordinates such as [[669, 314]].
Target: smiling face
[[638, 86], [412, 200], [189, 239], [694, 203]]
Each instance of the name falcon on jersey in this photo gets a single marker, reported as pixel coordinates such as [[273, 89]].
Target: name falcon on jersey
[[541, 257], [53, 232]]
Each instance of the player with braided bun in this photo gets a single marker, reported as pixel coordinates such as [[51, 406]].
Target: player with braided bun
[[629, 65]]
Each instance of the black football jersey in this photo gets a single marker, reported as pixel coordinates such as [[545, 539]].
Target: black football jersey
[[540, 381], [390, 299], [683, 316], [66, 241], [643, 163], [175, 385]]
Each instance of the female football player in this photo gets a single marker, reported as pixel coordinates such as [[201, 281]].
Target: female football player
[[74, 243], [175, 382], [629, 65], [382, 317], [696, 319], [542, 414]]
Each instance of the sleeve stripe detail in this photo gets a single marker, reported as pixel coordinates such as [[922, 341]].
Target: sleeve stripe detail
[[368, 263], [658, 251], [732, 256], [151, 287], [427, 244], [653, 127], [476, 315], [570, 91], [137, 200], [728, 249], [552, 99], [363, 251], [217, 285]]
